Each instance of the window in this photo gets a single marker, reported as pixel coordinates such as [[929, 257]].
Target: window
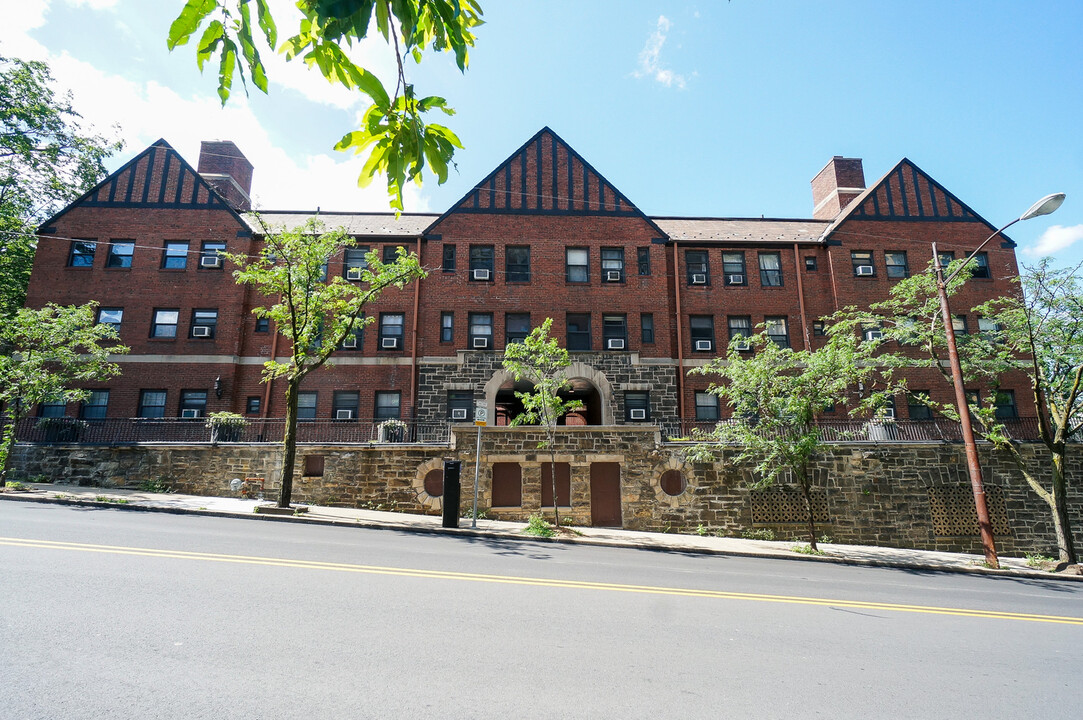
[[577, 265], [516, 327], [706, 407], [95, 406], [355, 339], [164, 324], [578, 331], [204, 323], [53, 408], [193, 403], [958, 324], [480, 331], [739, 326], [916, 409], [120, 255], [175, 256], [517, 263], [481, 263], [990, 330], [897, 266], [980, 266], [698, 271], [151, 403], [263, 325], [770, 269], [209, 257], [810, 263], [946, 258], [613, 264], [646, 328], [777, 331], [637, 406], [387, 405], [643, 260], [1004, 405], [306, 405], [251, 405], [391, 331], [111, 317], [733, 268], [862, 262], [818, 329], [354, 262], [344, 404], [702, 332], [448, 265], [82, 253], [460, 405], [447, 327], [615, 332], [390, 254]]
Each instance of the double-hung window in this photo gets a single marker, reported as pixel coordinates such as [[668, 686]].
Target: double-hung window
[[706, 407], [481, 263], [1004, 405], [646, 328], [95, 406], [897, 266], [354, 263], [210, 254], [916, 407], [391, 331], [388, 405], [53, 407], [120, 254], [733, 268], [389, 254], [577, 265], [193, 403], [612, 265], [862, 263], [979, 266], [947, 257], [306, 405], [517, 263], [739, 326], [82, 253], [637, 405], [447, 326], [152, 403], [460, 405], [990, 330], [770, 269], [175, 256], [697, 267], [344, 404], [204, 323], [778, 331], [481, 331], [578, 331], [643, 260], [164, 323], [111, 316], [702, 332], [516, 327], [448, 259], [615, 332]]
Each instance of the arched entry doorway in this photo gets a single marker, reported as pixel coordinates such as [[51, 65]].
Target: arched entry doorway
[[508, 406]]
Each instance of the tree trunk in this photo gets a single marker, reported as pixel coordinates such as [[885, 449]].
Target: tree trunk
[[806, 490], [1062, 523], [289, 443], [553, 478], [7, 444]]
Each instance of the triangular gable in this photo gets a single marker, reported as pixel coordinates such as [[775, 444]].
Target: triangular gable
[[156, 178], [546, 177], [907, 194]]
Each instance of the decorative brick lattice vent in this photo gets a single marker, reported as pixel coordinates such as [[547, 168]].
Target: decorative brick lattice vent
[[952, 508], [775, 506]]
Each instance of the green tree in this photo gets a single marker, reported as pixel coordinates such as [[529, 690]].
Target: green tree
[[399, 142], [44, 353], [47, 158], [540, 360], [774, 396], [314, 312]]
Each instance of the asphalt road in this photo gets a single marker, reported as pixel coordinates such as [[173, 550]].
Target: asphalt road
[[108, 613]]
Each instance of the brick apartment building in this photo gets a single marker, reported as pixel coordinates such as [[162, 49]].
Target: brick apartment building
[[638, 300]]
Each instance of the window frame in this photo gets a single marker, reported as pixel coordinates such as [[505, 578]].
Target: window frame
[[172, 258], [579, 334], [577, 268], [728, 265], [81, 253], [448, 257], [380, 410], [704, 266], [353, 258], [120, 317], [896, 271], [447, 326], [460, 400], [739, 326], [646, 328], [614, 327], [154, 324], [212, 248], [862, 258], [643, 261], [309, 408], [88, 409], [120, 260], [206, 321], [518, 335], [774, 321], [386, 328], [916, 409], [1005, 411], [482, 257], [767, 274], [613, 263], [345, 400], [473, 322], [707, 412], [637, 400], [144, 395], [981, 270], [516, 272], [189, 400], [705, 331], [252, 404]]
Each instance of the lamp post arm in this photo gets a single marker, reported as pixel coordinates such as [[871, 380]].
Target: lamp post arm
[[978, 250]]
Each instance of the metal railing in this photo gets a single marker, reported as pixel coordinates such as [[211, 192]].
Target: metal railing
[[127, 431], [872, 431]]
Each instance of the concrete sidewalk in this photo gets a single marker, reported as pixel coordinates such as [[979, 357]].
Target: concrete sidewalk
[[706, 544]]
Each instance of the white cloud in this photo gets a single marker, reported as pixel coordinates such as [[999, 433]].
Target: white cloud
[[94, 4], [20, 18], [1055, 239], [650, 64]]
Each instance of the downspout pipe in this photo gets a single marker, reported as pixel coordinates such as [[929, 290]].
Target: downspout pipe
[[680, 333]]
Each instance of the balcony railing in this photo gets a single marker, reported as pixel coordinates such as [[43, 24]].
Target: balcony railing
[[127, 431], [872, 431]]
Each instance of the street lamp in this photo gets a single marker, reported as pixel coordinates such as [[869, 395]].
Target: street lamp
[[1043, 207]]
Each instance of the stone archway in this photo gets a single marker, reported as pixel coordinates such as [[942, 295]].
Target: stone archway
[[588, 385]]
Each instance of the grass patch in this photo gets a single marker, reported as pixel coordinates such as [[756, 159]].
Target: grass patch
[[113, 500], [1039, 561], [539, 527], [806, 549], [157, 485], [761, 534], [16, 485]]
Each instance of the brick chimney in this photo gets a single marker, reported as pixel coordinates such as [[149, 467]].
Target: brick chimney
[[841, 180], [224, 166]]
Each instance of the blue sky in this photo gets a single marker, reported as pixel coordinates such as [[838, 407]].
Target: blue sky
[[707, 108]]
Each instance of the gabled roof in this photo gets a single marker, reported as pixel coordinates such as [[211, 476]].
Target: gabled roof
[[158, 177], [741, 230], [362, 224], [545, 176], [907, 194]]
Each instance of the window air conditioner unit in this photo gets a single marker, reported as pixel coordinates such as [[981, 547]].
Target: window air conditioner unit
[[886, 413], [865, 270], [481, 342], [343, 414], [615, 344], [637, 414], [737, 279], [741, 344], [458, 413], [481, 274], [189, 413], [210, 261], [873, 335], [350, 343], [699, 279], [612, 275], [353, 273], [703, 345], [389, 343], [201, 331]]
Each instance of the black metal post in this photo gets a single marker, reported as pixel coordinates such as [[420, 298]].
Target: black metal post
[[452, 491]]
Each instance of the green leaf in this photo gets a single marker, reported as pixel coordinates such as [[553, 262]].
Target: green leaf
[[191, 17], [225, 69], [267, 23], [212, 36]]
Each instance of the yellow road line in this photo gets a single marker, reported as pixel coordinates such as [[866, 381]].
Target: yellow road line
[[540, 582]]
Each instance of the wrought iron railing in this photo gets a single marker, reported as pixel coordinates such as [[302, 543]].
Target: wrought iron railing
[[905, 431], [126, 431]]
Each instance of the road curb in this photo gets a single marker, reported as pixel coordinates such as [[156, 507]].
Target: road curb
[[472, 532]]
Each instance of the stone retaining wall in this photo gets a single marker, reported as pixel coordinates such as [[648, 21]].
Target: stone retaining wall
[[868, 494]]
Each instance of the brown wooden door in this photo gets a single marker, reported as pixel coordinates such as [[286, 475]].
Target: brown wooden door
[[605, 495]]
